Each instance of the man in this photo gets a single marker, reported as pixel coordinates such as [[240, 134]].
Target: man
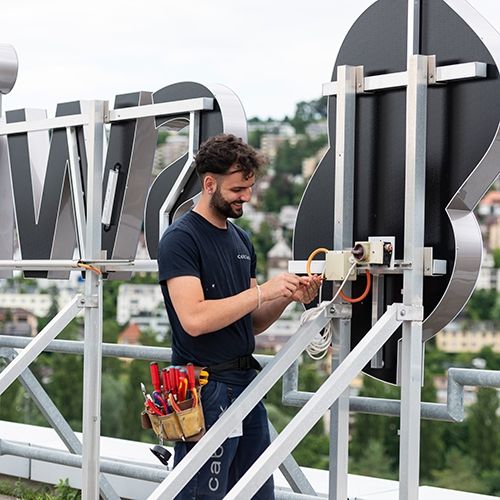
[[215, 306]]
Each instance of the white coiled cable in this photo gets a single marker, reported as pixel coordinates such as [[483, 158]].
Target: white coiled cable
[[319, 345]]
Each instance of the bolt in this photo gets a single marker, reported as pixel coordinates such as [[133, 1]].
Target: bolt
[[403, 312]]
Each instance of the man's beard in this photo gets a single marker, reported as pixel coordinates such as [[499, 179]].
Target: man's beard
[[223, 207]]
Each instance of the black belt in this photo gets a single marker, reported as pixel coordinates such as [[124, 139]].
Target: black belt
[[244, 363]]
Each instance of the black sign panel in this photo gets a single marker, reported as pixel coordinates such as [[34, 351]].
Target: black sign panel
[[463, 121]]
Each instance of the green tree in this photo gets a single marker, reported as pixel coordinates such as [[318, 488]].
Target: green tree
[[289, 157], [109, 297], [459, 474], [496, 257], [8, 410], [65, 386], [313, 450], [283, 190], [492, 359], [432, 450], [262, 241], [484, 430], [137, 372], [481, 304], [111, 365], [373, 462], [307, 112], [113, 405], [379, 428], [254, 137]]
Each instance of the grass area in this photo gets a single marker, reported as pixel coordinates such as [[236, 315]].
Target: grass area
[[30, 490]]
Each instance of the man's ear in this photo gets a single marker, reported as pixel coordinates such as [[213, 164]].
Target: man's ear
[[209, 184]]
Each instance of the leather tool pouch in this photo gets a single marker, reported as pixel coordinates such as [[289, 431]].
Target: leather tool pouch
[[185, 425]]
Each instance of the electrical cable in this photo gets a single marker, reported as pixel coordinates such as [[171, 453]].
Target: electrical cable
[[318, 346], [364, 294], [89, 267]]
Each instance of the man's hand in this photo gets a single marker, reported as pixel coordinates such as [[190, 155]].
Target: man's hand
[[307, 290], [283, 285]]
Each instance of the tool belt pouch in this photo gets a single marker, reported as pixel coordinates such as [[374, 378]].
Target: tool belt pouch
[[186, 425]]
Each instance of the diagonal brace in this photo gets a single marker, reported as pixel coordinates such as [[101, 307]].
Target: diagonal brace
[[317, 406], [243, 405], [54, 417], [39, 343]]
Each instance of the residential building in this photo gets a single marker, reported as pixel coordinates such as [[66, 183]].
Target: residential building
[[36, 303], [277, 258], [309, 164], [317, 129], [455, 338], [130, 335], [287, 216], [156, 322], [494, 234], [489, 276], [135, 300], [490, 204], [19, 322], [175, 146]]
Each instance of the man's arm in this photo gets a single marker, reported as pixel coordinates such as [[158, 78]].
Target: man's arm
[[271, 310], [199, 316]]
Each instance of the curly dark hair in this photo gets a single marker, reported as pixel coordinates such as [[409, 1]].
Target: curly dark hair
[[219, 153]]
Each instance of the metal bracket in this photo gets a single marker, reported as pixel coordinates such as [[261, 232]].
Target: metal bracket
[[431, 70], [409, 313], [339, 311], [360, 79], [88, 302]]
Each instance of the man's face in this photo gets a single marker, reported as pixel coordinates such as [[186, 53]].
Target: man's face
[[232, 190]]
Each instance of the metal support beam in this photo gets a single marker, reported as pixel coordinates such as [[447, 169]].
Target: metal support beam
[[65, 458], [326, 395], [76, 188], [151, 473], [93, 306], [247, 400], [399, 79], [291, 470], [111, 350], [39, 343], [343, 238], [413, 279], [184, 175], [161, 109], [458, 377], [54, 417], [413, 44]]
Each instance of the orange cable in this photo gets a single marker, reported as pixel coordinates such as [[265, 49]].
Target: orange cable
[[311, 257], [363, 295]]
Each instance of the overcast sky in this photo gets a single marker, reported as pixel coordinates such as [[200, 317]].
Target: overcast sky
[[272, 53]]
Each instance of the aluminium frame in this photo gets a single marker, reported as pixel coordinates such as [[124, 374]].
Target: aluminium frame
[[420, 73]]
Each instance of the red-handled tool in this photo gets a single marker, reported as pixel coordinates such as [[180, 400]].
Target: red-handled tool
[[165, 382], [155, 376], [152, 407], [183, 385], [192, 383], [173, 380]]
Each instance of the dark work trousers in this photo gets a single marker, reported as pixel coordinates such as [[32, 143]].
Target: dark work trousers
[[235, 456]]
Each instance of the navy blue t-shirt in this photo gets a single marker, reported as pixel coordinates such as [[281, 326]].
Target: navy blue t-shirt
[[224, 261]]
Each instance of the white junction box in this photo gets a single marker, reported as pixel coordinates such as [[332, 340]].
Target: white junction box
[[338, 263]]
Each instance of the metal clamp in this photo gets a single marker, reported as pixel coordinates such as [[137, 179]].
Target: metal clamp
[[409, 313], [89, 301], [339, 311]]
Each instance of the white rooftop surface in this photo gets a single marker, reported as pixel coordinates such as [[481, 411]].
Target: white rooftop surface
[[359, 487]]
